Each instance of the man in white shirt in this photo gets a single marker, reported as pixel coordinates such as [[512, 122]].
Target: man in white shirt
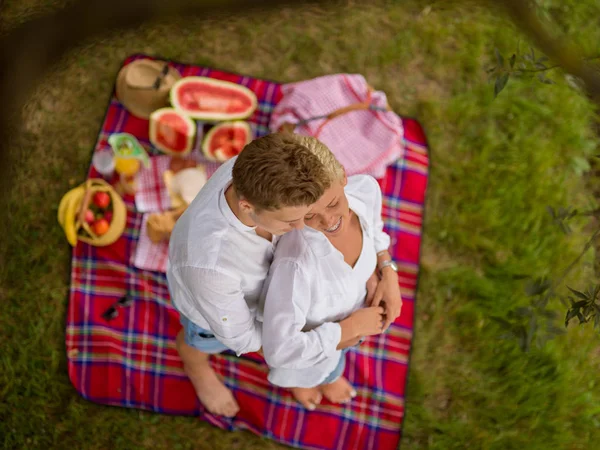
[[222, 246]]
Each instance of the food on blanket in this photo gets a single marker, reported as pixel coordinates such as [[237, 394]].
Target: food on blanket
[[226, 140], [100, 227], [89, 216], [129, 154], [212, 100], [127, 166], [177, 164], [73, 214], [101, 200], [172, 132], [160, 225], [184, 185]]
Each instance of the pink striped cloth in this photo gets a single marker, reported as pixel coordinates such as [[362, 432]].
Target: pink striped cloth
[[148, 255], [152, 196], [364, 141]]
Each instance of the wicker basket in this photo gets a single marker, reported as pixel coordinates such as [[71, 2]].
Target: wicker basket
[[75, 203]]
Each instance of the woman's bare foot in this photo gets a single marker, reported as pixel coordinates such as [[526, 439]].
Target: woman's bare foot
[[307, 397], [340, 391], [211, 391]]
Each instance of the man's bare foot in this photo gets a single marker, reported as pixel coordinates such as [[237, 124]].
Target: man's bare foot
[[340, 391], [307, 397], [211, 391]]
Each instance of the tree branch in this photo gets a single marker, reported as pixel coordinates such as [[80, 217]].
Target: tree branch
[[556, 48]]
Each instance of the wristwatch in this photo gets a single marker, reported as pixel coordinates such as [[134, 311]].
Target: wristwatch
[[388, 263]]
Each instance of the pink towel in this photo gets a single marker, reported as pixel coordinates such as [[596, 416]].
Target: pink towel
[[364, 141]]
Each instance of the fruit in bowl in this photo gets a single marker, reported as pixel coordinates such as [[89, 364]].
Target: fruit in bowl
[[93, 212]]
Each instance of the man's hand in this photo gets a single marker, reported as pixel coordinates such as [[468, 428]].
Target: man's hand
[[388, 294]]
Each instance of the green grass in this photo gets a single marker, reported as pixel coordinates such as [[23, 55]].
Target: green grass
[[496, 165]]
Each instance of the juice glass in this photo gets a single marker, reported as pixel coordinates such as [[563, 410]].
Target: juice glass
[[129, 155]]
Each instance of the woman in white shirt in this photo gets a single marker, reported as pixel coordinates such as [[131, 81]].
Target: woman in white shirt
[[315, 302]]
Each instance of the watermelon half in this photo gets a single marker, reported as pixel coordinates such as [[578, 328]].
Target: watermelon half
[[172, 132], [226, 140], [212, 100]]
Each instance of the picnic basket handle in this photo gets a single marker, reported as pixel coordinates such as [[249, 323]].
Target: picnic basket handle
[[85, 202], [289, 127]]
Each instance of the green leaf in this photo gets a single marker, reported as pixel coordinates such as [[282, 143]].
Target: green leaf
[[579, 294], [513, 58], [500, 83], [541, 66], [570, 314], [550, 209], [581, 318], [499, 57]]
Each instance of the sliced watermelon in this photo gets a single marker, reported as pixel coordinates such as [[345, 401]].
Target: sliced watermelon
[[172, 132], [212, 100], [226, 140]]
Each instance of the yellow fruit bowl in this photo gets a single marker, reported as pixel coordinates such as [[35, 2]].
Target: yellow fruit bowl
[[72, 214]]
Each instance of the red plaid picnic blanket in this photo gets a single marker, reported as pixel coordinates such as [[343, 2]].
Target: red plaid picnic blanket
[[131, 360]]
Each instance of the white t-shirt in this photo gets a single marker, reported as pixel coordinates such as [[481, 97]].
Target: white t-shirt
[[217, 266], [310, 288]]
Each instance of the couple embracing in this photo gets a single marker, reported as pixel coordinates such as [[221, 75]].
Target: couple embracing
[[281, 253]]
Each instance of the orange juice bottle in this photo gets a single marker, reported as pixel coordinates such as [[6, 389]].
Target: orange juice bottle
[[129, 155]]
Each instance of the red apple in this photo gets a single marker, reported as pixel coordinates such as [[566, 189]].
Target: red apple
[[89, 216], [101, 199]]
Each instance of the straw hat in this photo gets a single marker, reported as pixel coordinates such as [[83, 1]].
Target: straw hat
[[143, 86]]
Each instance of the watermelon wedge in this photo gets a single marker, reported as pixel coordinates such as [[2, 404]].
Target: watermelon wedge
[[212, 100], [226, 140], [172, 132]]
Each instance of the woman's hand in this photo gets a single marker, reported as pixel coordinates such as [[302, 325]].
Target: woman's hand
[[372, 283], [363, 322], [388, 293], [349, 343]]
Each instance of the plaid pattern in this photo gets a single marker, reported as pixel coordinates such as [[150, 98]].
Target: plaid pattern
[[131, 361], [152, 195], [363, 141], [148, 255]]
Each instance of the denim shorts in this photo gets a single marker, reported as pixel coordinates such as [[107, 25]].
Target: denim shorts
[[199, 338], [339, 370]]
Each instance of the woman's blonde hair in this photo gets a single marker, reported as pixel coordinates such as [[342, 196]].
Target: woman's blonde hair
[[322, 152]]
